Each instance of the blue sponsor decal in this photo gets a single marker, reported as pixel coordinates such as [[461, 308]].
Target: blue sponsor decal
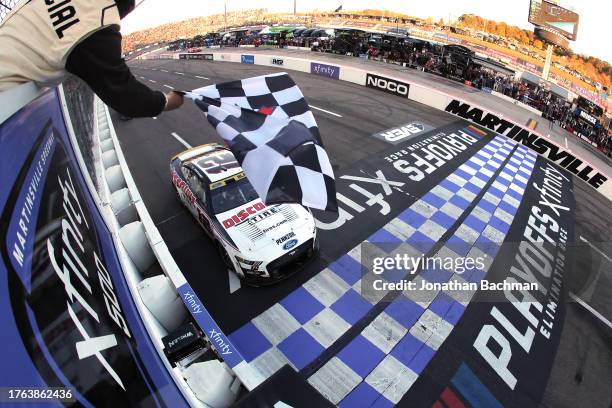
[[329, 71], [224, 348], [473, 390], [247, 59], [290, 244]]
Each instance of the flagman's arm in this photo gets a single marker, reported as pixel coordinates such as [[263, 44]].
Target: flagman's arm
[[97, 60]]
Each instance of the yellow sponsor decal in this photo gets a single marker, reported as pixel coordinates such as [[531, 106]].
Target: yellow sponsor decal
[[227, 180]]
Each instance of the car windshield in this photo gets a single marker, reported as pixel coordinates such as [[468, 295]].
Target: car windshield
[[232, 195]]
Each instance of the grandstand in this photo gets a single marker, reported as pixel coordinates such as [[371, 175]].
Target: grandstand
[[527, 54]]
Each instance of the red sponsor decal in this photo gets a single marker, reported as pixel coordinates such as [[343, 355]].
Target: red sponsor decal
[[181, 185], [450, 399], [266, 110], [243, 214]]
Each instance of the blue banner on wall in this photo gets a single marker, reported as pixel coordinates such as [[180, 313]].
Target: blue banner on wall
[[224, 348], [329, 71], [68, 319], [247, 59]]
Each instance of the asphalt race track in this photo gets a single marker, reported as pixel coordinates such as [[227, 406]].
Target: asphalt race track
[[363, 351]]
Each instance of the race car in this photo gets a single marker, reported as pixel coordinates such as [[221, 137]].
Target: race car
[[261, 243]]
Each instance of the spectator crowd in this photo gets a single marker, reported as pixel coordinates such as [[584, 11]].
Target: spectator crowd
[[451, 61]]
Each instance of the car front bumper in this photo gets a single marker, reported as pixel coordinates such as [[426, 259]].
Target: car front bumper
[[284, 266]]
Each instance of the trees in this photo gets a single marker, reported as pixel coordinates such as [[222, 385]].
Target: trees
[[501, 29], [491, 26], [592, 67], [538, 44]]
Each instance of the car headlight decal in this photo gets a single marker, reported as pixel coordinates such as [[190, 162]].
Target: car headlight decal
[[248, 265]]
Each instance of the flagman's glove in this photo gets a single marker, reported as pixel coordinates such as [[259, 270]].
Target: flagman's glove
[[173, 101]]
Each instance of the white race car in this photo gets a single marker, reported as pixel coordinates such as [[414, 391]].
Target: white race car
[[261, 243]]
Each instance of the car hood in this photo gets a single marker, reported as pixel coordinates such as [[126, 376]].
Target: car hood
[[262, 232]]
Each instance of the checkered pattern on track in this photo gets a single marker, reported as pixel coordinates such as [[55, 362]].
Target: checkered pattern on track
[[379, 365]]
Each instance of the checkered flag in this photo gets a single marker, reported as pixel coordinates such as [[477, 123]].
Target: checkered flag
[[268, 125]]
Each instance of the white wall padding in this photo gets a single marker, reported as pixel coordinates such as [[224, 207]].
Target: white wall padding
[[428, 97], [104, 134], [212, 383], [109, 159], [102, 124], [135, 241], [162, 300], [123, 208], [107, 145], [114, 178], [356, 76], [296, 64]]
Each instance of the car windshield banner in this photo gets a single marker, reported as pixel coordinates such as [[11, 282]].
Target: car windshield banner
[[68, 318]]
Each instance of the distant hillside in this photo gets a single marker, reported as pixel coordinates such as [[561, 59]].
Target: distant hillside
[[592, 67]]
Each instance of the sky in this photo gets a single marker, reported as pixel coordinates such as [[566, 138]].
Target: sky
[[593, 30]]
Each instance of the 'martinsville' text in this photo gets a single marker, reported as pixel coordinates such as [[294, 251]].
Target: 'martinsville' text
[[551, 151]]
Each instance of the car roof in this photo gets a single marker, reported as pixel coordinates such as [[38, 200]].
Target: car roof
[[216, 165]]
